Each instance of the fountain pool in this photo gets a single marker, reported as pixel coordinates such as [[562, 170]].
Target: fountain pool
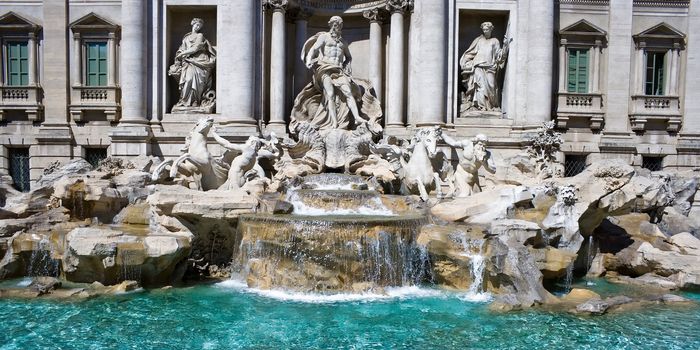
[[230, 316]]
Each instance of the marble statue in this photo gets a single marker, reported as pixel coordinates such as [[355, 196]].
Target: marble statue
[[474, 155], [194, 65], [480, 66], [196, 159], [302, 157], [419, 176], [334, 99], [246, 167]]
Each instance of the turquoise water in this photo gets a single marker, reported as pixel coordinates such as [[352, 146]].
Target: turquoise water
[[230, 317]]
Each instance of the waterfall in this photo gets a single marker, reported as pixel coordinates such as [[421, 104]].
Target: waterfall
[[569, 278], [131, 266], [589, 252], [40, 262], [331, 253]]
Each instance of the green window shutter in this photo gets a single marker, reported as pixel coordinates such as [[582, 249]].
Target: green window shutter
[[582, 74], [96, 61], [17, 63], [577, 71]]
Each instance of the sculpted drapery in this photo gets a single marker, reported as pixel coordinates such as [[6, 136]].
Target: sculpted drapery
[[333, 99], [194, 65], [480, 65]]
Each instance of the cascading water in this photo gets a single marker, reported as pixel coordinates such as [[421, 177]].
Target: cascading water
[[473, 249], [569, 278], [339, 237], [40, 262]]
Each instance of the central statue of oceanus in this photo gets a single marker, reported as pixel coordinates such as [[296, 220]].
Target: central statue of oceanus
[[333, 99]]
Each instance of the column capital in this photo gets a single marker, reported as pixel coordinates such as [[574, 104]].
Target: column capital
[[376, 14], [275, 5], [402, 6]]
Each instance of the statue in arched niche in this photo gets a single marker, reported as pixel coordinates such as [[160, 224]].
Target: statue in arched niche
[[480, 65], [194, 65]]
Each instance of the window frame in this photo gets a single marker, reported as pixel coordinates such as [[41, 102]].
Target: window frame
[[660, 84], [85, 61], [588, 69]]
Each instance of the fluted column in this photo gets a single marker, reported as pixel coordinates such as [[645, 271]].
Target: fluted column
[[691, 101], [277, 61], [431, 61], [300, 70], [112, 60], [540, 57], [133, 62], [77, 60], [31, 45], [237, 62], [395, 105], [376, 50], [595, 66], [562, 66]]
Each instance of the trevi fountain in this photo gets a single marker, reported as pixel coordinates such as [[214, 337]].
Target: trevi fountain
[[336, 235]]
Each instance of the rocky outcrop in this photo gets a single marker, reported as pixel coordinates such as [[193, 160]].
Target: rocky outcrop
[[597, 306], [109, 256], [484, 207]]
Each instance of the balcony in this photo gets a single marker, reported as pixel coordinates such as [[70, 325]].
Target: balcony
[[103, 99], [26, 99], [582, 106], [647, 108]]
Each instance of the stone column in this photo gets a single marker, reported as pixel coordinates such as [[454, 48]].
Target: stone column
[[639, 69], [132, 137], [595, 66], [675, 56], [54, 137], [77, 60], [301, 35], [563, 58], [618, 78], [376, 50], [31, 46], [278, 61], [691, 110], [431, 59], [396, 80], [236, 64], [540, 56], [133, 62], [112, 60]]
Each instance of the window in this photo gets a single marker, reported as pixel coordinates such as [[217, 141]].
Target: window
[[578, 71], [654, 81], [652, 163], [574, 164], [96, 61], [95, 155], [19, 168], [17, 63]]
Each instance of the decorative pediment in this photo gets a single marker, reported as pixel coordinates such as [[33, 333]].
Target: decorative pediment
[[583, 33], [661, 31], [93, 22], [661, 35], [11, 21], [583, 27]]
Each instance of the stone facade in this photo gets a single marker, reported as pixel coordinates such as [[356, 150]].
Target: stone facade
[[409, 50]]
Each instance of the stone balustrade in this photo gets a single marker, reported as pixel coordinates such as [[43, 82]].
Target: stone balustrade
[[585, 106], [105, 99], [26, 99], [658, 108]]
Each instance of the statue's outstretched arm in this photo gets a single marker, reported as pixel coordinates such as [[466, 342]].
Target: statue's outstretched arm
[[226, 144], [451, 142]]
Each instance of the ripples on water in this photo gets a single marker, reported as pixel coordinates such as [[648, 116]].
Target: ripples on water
[[230, 316]]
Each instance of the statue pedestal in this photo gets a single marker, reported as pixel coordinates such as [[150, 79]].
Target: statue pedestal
[[491, 124]]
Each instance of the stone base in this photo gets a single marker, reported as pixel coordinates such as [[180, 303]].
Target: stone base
[[193, 110], [131, 141]]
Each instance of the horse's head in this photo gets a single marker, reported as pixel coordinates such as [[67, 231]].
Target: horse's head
[[203, 125], [428, 138]]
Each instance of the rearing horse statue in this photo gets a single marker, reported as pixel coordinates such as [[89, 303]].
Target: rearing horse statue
[[418, 174], [197, 159]]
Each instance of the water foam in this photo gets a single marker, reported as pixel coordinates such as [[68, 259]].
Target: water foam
[[390, 293]]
